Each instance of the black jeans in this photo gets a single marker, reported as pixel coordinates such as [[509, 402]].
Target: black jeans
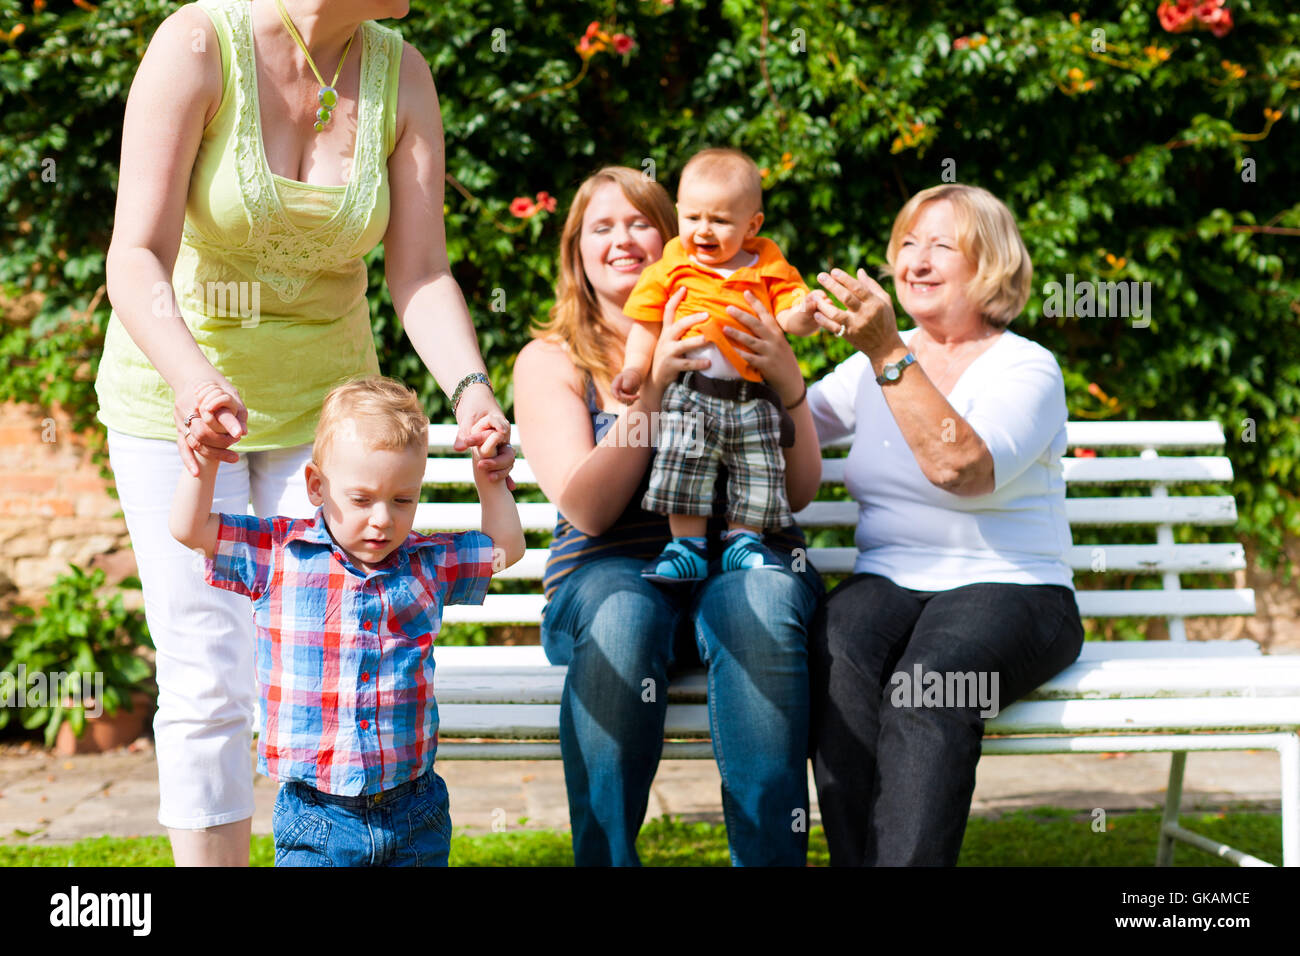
[[894, 748]]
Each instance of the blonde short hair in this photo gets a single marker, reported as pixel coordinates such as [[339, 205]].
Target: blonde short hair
[[381, 411], [988, 236], [729, 167]]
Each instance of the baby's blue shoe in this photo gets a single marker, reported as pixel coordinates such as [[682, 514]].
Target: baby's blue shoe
[[682, 561], [746, 552]]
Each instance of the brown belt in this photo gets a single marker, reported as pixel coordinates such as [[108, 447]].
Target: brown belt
[[741, 390]]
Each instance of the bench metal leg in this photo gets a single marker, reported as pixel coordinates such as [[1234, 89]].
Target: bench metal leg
[[1289, 751], [1173, 800], [1286, 744]]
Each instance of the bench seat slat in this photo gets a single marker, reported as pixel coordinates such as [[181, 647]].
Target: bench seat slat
[[1138, 679], [1244, 677], [542, 721], [1253, 714], [1202, 602], [1090, 716], [542, 686], [526, 658]]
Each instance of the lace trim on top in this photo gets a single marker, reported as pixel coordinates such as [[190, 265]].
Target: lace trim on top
[[287, 256]]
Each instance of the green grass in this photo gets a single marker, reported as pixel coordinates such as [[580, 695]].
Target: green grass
[[1039, 837]]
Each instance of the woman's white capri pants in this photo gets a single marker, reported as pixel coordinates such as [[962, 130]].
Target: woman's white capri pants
[[204, 635]]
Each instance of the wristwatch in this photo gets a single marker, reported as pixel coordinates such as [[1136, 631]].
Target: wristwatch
[[894, 370]]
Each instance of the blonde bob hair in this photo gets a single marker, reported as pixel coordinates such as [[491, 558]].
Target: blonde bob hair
[[575, 319], [987, 235], [382, 412]]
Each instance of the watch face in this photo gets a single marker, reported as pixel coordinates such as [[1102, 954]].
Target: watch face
[[892, 373]]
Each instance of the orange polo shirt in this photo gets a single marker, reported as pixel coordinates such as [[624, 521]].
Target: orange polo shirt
[[775, 282]]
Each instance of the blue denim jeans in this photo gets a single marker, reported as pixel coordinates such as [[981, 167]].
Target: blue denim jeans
[[408, 825], [620, 635]]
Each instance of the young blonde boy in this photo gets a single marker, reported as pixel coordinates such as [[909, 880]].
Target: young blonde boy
[[346, 607], [717, 256]]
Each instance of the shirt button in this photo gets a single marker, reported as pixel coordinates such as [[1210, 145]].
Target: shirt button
[[365, 724], [365, 677]]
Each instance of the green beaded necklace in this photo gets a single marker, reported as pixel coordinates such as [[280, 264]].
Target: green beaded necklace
[[328, 95]]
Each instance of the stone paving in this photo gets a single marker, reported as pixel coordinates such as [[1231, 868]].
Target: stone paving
[[51, 799]]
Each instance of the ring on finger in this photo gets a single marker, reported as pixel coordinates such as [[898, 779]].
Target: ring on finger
[[839, 333], [190, 419]]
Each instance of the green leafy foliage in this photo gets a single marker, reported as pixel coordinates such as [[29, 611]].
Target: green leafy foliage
[[80, 637], [1128, 154]]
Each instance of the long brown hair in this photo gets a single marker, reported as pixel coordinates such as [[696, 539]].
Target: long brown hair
[[575, 319]]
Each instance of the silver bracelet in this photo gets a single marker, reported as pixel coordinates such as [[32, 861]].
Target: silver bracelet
[[473, 378]]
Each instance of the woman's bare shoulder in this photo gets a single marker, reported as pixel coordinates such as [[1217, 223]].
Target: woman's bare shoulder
[[417, 97], [547, 361], [186, 45]]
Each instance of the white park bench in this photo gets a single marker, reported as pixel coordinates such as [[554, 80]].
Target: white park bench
[[1175, 696]]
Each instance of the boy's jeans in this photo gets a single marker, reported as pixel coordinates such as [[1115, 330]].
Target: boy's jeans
[[408, 825]]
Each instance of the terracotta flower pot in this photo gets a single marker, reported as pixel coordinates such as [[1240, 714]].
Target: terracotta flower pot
[[104, 732]]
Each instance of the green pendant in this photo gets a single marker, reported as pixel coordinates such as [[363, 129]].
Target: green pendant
[[328, 96], [323, 115], [318, 126]]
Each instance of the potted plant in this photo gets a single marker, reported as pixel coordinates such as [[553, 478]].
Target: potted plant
[[75, 664]]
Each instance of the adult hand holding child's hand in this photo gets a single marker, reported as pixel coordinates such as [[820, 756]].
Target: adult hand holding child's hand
[[210, 417], [482, 425], [493, 454]]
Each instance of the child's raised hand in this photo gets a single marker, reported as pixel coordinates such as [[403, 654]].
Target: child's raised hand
[[210, 417], [626, 385], [219, 409]]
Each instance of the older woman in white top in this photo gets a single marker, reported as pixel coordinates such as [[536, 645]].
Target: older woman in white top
[[961, 599]]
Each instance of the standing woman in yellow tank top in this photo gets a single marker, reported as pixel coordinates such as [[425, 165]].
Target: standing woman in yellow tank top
[[265, 151]]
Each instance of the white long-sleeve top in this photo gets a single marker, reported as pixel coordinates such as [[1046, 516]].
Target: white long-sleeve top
[[922, 537]]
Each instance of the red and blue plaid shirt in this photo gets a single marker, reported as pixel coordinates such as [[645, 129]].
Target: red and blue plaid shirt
[[345, 657]]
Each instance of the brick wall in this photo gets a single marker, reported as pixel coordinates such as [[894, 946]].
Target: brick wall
[[55, 509]]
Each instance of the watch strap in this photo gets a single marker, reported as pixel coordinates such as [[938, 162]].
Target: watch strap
[[894, 370]]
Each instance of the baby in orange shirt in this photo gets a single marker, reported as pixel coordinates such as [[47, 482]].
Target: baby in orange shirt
[[718, 256]]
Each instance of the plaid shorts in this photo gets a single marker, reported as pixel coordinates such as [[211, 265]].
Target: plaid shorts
[[697, 431]]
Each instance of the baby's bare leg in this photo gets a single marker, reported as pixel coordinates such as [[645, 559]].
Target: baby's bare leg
[[688, 526]]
